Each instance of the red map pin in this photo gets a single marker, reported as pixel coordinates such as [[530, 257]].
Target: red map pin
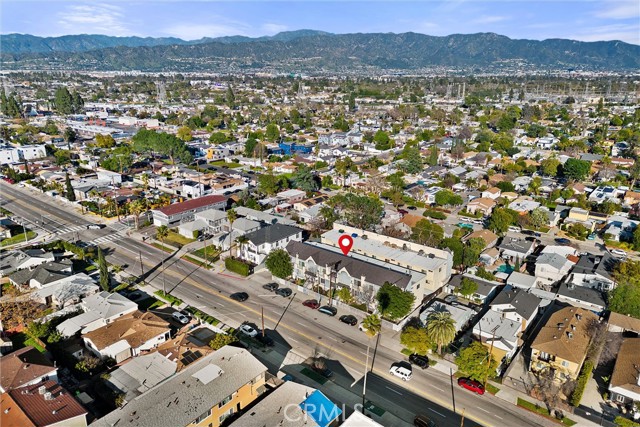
[[345, 242]]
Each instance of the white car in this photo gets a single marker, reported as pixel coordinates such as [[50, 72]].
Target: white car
[[362, 328], [401, 372], [248, 331], [618, 252], [180, 317]]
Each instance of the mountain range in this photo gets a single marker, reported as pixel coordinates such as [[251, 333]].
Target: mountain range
[[309, 51]]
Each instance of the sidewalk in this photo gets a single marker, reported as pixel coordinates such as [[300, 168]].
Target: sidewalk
[[510, 395]]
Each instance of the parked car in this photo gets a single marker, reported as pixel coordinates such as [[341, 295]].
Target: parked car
[[401, 372], [248, 330], [618, 253], [284, 292], [591, 236], [403, 212], [95, 226], [471, 385], [349, 319], [240, 296], [423, 421], [185, 313], [180, 317], [450, 298], [330, 311], [311, 303], [411, 208], [362, 327], [271, 286], [419, 361], [515, 229], [562, 241]]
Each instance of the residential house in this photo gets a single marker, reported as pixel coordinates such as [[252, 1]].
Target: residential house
[[594, 271], [42, 275], [561, 344], [261, 242], [186, 348], [434, 264], [98, 310], [581, 296], [140, 374], [127, 336], [521, 280], [12, 261], [66, 291], [484, 293], [292, 196], [210, 221], [303, 405], [46, 404], [523, 205], [552, 268], [482, 205], [620, 228], [513, 248], [25, 367], [491, 193], [490, 238], [631, 198], [185, 211], [624, 387], [517, 305], [489, 256], [204, 394], [621, 323], [461, 314], [499, 334]]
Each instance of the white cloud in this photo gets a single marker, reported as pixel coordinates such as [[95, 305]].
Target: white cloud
[[619, 9], [626, 33], [188, 31], [271, 28], [94, 19], [489, 19]]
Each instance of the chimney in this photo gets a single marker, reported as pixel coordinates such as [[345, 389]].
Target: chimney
[[48, 396], [42, 389]]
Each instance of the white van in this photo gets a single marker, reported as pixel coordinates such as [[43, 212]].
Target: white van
[[401, 372]]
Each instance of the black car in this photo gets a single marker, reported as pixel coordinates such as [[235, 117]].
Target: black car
[[270, 286], [562, 241], [419, 361], [330, 311], [265, 340], [423, 421], [240, 296], [349, 319], [284, 292], [325, 372]]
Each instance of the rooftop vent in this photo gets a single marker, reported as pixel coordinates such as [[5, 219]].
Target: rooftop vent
[[48, 396], [570, 335], [42, 389]]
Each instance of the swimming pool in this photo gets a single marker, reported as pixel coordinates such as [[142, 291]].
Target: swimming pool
[[505, 268]]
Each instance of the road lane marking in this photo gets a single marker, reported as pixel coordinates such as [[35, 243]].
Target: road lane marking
[[482, 409], [301, 324], [395, 391], [438, 388], [433, 410], [498, 416]]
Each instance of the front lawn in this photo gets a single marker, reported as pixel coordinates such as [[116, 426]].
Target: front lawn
[[223, 164], [163, 248], [21, 340], [177, 240], [18, 238], [212, 254], [544, 412]]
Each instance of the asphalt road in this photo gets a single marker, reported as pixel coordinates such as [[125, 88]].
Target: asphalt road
[[306, 331]]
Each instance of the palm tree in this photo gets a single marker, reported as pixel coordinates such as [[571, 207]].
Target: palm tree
[[240, 242], [162, 233], [145, 181], [441, 329], [231, 217], [136, 208], [372, 325]]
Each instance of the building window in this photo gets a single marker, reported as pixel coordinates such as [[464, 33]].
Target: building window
[[565, 363], [203, 417], [226, 415], [619, 398], [226, 400]]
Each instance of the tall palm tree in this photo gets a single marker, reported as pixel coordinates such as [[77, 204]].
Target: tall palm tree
[[240, 242], [441, 329], [162, 233], [372, 325], [231, 217], [136, 208]]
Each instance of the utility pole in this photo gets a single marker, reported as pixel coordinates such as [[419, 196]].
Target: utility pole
[[262, 322], [364, 386], [486, 377], [141, 266]]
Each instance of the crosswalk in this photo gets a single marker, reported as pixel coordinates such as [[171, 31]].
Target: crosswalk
[[71, 229], [106, 239]]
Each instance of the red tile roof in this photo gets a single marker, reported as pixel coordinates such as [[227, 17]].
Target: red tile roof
[[200, 202], [23, 366], [61, 406]]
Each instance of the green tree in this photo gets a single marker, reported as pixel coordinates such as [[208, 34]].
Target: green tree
[[372, 325], [250, 146], [230, 97], [416, 340], [427, 233], [472, 250], [304, 179], [221, 137], [475, 362], [433, 156], [382, 140], [184, 133], [506, 187], [441, 329], [448, 198], [69, 193], [105, 141], [538, 218], [393, 302], [344, 295], [576, 169], [268, 183], [63, 101], [272, 133], [412, 160], [636, 239], [220, 340], [279, 264], [104, 271], [343, 167], [362, 212], [500, 221], [456, 246], [625, 298], [549, 167], [352, 102], [467, 287]]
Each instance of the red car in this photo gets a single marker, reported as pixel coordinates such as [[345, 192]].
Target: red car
[[311, 303], [471, 385]]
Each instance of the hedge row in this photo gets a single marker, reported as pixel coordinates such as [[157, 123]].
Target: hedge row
[[237, 266], [434, 214], [584, 376], [168, 297]]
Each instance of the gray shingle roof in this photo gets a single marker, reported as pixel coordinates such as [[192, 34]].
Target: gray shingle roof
[[356, 268], [271, 234], [596, 264], [182, 398], [524, 303], [582, 293], [516, 245]]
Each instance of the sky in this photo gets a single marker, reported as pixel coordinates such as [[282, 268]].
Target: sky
[[586, 20]]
